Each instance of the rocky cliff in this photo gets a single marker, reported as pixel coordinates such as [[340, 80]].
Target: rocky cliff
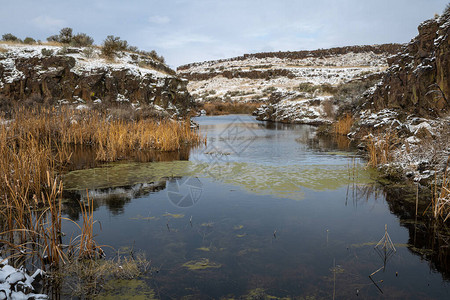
[[51, 73], [293, 87], [417, 80]]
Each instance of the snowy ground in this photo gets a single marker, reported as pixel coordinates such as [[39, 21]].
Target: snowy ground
[[16, 283], [294, 93], [85, 62]]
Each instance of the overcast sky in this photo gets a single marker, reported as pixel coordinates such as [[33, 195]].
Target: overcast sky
[[185, 31]]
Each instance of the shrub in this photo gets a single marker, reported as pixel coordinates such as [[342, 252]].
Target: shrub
[[65, 35], [53, 38], [8, 37], [81, 40], [113, 44], [306, 87], [62, 51], [28, 40], [46, 52], [88, 52]]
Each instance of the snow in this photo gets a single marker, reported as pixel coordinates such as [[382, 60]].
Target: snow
[[16, 283], [330, 70], [82, 64]]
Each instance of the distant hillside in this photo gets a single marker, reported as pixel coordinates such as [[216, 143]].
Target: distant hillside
[[294, 86], [377, 49]]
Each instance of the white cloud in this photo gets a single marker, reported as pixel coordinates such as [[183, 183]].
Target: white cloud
[[160, 20], [181, 40], [48, 23]]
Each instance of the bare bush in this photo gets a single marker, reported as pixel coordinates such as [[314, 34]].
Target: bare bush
[[112, 45]]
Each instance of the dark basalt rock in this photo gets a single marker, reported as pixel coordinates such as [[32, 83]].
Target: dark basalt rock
[[53, 78], [417, 81]]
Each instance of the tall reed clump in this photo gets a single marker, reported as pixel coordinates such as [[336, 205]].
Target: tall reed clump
[[84, 246], [343, 125], [34, 147], [440, 201], [32, 227], [380, 148]]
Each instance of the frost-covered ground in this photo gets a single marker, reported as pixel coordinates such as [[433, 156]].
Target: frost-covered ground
[[418, 147]]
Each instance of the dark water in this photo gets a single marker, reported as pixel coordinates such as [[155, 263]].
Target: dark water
[[264, 210]]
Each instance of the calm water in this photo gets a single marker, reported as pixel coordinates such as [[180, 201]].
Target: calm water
[[263, 210]]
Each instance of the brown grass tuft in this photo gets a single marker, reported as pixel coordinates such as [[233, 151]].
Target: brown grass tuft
[[380, 148], [224, 108], [440, 202], [34, 147], [344, 124]]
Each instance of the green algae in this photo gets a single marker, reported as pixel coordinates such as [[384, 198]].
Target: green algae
[[206, 249], [247, 251], [127, 289], [125, 174], [208, 224], [201, 264], [139, 217], [175, 216], [241, 235], [238, 227], [287, 181]]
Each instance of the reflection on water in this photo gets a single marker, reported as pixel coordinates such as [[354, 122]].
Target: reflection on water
[[241, 233]]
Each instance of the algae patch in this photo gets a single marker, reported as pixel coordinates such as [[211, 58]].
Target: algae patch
[[288, 181], [201, 264], [127, 289], [126, 174], [175, 216], [139, 217]]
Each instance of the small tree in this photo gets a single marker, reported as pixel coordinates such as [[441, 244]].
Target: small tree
[[65, 35], [29, 40], [113, 44], [8, 37], [53, 38], [82, 40]]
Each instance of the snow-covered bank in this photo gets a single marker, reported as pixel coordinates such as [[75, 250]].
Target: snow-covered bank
[[16, 284]]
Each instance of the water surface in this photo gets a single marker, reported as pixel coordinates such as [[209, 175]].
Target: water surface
[[263, 210]]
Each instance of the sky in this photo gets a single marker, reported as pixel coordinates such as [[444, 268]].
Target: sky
[[186, 31]]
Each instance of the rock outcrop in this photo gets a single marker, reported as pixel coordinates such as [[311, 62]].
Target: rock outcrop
[[56, 73], [294, 87], [417, 80]]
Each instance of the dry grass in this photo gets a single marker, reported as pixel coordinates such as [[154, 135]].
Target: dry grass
[[33, 227], [34, 147], [53, 44], [84, 246], [381, 147], [224, 108], [343, 125], [440, 202], [91, 277], [3, 50]]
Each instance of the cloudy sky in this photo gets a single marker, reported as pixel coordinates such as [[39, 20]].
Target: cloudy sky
[[185, 31]]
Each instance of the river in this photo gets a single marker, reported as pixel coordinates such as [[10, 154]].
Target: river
[[262, 210]]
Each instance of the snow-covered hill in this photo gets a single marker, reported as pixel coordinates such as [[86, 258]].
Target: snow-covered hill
[[285, 79]]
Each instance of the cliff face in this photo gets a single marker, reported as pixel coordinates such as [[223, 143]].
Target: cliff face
[[417, 80], [293, 87], [67, 74]]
